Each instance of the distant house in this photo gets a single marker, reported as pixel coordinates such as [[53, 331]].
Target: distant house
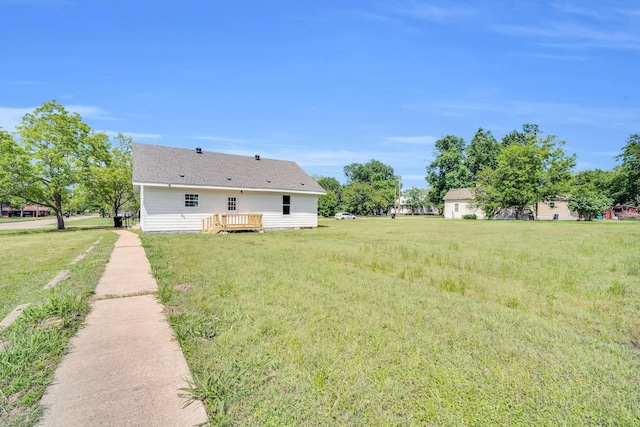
[[180, 187], [459, 202], [404, 209], [27, 211], [557, 209]]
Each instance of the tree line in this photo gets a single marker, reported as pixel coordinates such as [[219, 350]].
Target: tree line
[[55, 159], [523, 168], [526, 167]]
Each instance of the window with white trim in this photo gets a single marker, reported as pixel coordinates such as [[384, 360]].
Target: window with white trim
[[191, 200], [232, 204], [456, 207], [286, 205]]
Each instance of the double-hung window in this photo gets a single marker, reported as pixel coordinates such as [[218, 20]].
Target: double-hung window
[[286, 205], [191, 200], [232, 204]]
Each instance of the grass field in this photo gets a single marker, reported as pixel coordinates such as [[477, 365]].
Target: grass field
[[413, 321], [31, 258]]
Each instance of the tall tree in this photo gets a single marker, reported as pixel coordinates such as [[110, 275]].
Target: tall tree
[[111, 182], [482, 152], [529, 135], [527, 172], [447, 170], [630, 170], [379, 191], [55, 152], [594, 181]]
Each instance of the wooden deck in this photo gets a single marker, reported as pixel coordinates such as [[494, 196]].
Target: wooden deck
[[224, 223]]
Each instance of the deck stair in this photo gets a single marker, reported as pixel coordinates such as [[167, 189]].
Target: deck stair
[[225, 222]]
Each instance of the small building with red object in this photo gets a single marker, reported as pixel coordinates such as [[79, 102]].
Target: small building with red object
[[620, 212]]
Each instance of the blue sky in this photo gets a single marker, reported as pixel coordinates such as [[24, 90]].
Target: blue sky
[[329, 83]]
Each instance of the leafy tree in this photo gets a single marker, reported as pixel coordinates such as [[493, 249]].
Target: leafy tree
[[589, 205], [447, 170], [328, 203], [111, 183], [529, 135], [482, 152], [630, 171], [595, 181], [415, 198], [55, 152], [359, 198], [527, 172], [373, 172], [377, 192], [329, 184]]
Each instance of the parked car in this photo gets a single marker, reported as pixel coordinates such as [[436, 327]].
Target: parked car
[[345, 215]]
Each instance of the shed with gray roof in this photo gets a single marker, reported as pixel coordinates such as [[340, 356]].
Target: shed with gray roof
[[179, 187]]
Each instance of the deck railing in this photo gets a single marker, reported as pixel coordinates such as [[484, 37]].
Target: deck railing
[[224, 222]]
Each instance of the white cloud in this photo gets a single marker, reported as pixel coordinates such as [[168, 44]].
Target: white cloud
[[11, 117], [419, 140], [436, 13], [232, 140], [89, 111], [608, 117], [133, 135]]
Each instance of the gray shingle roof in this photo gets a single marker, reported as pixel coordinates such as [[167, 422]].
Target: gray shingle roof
[[459, 194], [155, 164]]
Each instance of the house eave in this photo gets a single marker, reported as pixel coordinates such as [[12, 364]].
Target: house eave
[[225, 188]]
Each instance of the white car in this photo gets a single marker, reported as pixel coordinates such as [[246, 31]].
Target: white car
[[345, 215]]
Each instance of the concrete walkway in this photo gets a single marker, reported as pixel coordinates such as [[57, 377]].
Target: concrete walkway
[[124, 368]]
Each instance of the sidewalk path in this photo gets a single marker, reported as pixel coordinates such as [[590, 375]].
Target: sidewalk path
[[123, 368]]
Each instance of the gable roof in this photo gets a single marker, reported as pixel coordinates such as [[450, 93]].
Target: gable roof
[[459, 194], [160, 165]]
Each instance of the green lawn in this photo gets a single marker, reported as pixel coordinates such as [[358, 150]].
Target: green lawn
[[31, 258], [18, 219], [412, 321]]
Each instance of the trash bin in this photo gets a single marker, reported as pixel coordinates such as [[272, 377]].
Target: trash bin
[[393, 216], [117, 221]]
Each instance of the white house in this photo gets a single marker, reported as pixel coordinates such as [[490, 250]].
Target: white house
[[404, 209], [458, 202], [180, 187]]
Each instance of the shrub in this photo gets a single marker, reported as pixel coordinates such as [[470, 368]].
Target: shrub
[[469, 216]]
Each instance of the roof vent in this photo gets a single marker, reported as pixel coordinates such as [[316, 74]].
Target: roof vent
[[257, 157], [198, 150]]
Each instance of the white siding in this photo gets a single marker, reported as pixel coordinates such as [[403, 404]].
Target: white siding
[[163, 209]]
